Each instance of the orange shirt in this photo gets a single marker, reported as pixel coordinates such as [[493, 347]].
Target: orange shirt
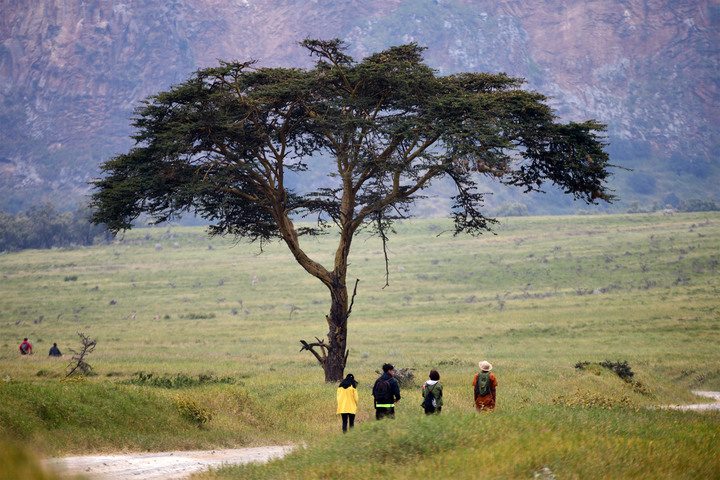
[[483, 402]]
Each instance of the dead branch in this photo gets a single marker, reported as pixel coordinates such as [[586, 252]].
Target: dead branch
[[352, 299], [310, 347], [78, 363]]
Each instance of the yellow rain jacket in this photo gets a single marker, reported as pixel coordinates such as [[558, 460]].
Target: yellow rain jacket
[[347, 400]]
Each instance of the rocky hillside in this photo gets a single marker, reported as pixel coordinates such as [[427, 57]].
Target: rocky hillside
[[72, 71]]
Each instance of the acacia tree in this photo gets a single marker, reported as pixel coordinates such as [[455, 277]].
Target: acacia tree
[[222, 145]]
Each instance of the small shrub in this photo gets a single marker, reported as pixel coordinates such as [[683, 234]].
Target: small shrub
[[71, 278], [192, 411], [621, 369]]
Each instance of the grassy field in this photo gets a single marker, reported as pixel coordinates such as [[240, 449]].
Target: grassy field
[[536, 298]]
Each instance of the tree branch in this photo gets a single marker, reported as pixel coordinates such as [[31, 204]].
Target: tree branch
[[310, 347]]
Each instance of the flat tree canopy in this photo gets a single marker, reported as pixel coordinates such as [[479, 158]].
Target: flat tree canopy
[[222, 144]]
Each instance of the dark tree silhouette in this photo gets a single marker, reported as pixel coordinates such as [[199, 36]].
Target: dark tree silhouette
[[223, 143]]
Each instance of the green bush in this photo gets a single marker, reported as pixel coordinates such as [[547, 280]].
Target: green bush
[[192, 411]]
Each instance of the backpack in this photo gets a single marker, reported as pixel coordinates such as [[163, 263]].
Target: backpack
[[429, 403], [382, 391], [24, 348], [482, 387]]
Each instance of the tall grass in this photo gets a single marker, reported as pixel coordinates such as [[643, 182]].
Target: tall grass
[[535, 299]]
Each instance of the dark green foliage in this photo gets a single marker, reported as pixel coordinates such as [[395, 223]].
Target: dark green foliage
[[179, 380], [621, 369], [697, 205], [222, 142], [43, 227]]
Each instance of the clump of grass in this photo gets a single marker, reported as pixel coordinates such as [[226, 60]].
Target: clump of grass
[[75, 379], [179, 380], [191, 410], [588, 399]]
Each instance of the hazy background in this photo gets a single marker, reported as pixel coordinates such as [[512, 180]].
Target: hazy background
[[72, 71]]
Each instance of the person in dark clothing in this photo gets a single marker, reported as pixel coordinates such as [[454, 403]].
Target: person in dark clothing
[[55, 351], [386, 392]]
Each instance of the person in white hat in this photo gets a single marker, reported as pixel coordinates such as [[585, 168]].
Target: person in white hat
[[484, 385]]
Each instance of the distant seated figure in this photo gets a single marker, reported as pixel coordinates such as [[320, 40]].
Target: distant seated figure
[[25, 347], [55, 351]]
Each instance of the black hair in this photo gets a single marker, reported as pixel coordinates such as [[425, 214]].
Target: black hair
[[434, 375], [349, 381], [387, 367]]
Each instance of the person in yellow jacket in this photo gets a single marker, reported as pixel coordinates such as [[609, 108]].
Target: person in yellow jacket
[[347, 399]]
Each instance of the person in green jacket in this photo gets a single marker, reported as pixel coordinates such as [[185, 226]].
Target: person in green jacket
[[432, 392], [347, 400]]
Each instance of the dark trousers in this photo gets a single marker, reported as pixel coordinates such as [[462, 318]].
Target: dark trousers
[[384, 412], [348, 418]]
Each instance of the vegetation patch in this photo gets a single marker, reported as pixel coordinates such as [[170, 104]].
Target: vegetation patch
[[198, 316], [190, 410], [179, 380], [621, 369], [588, 399]]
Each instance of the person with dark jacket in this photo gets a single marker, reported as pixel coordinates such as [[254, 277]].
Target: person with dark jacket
[[347, 400], [55, 351], [386, 392]]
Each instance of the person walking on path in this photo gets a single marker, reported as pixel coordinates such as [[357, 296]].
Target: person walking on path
[[432, 392], [347, 400], [25, 347], [484, 386], [55, 351], [386, 392]]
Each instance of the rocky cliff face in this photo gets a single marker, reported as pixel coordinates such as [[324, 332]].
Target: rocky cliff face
[[71, 71]]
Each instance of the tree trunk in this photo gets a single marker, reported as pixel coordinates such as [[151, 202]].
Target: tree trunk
[[334, 365]]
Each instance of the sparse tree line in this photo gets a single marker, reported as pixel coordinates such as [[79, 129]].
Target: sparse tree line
[[43, 226], [684, 205]]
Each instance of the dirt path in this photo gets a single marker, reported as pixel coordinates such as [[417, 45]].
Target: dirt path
[[163, 465], [701, 406]]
